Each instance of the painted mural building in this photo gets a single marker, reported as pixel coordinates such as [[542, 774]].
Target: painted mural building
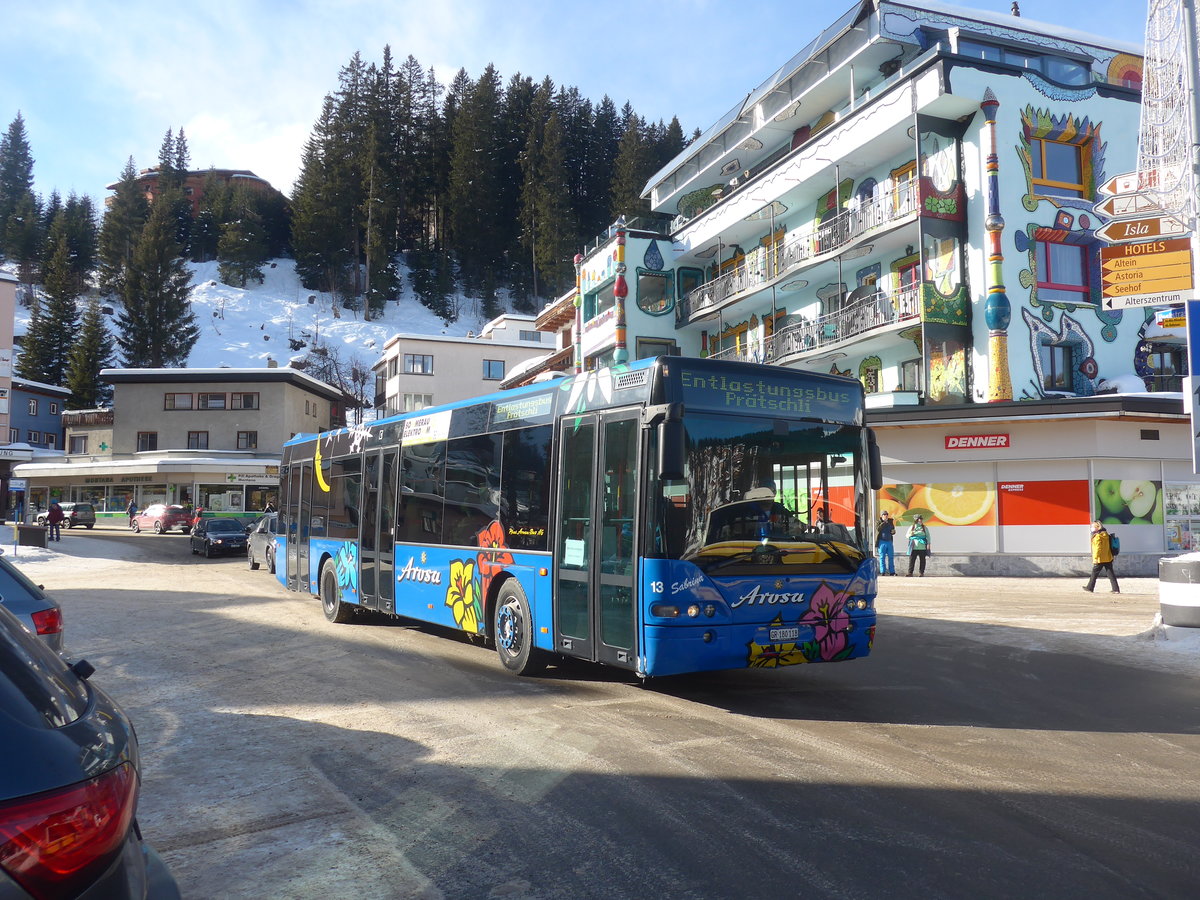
[[910, 201]]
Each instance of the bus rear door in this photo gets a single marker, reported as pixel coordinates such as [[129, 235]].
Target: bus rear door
[[377, 534], [299, 507], [595, 594]]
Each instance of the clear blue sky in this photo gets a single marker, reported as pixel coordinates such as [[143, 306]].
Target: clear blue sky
[[98, 81]]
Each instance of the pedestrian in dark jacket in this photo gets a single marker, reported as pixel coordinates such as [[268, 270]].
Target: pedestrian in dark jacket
[[54, 520], [885, 541], [1102, 558]]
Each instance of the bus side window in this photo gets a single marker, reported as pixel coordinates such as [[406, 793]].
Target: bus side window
[[525, 487]]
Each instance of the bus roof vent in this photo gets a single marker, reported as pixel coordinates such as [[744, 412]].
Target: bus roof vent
[[627, 380]]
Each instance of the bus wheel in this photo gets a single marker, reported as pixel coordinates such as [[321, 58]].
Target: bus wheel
[[335, 610], [514, 631]]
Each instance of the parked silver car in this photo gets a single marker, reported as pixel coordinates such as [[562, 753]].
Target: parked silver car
[[29, 603], [260, 547], [73, 514]]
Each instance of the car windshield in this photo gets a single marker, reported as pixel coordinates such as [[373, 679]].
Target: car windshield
[[223, 525]]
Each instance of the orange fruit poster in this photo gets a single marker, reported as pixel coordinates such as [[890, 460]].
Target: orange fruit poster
[[944, 503]]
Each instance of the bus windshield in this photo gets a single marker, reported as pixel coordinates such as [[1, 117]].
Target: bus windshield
[[769, 481]]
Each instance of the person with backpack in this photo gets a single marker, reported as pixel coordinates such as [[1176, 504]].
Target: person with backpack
[[1102, 557], [918, 545]]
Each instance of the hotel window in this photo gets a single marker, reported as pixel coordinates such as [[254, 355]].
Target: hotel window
[[393, 366], [14, 435], [1056, 367], [54, 409], [212, 401], [78, 443], [531, 336], [414, 402], [51, 440], [910, 375], [247, 440], [197, 440], [146, 441], [33, 406], [1057, 168], [177, 401], [243, 401], [1062, 273], [418, 364], [493, 369], [35, 437]]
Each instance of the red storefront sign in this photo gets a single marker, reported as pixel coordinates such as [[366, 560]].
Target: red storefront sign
[[976, 441]]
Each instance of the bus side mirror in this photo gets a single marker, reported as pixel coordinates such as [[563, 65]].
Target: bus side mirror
[[875, 460], [672, 450]]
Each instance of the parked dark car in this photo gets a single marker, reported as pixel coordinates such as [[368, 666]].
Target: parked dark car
[[216, 536], [29, 603], [162, 517], [69, 783], [73, 514], [260, 546]]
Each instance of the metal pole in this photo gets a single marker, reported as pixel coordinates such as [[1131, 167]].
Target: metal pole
[[1192, 307]]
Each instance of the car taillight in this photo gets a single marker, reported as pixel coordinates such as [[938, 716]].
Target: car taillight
[[56, 843], [48, 621]]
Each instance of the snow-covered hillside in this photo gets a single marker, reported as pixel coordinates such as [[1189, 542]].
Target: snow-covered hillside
[[243, 327]]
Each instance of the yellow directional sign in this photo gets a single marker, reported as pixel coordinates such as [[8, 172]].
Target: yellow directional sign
[[1118, 262], [1152, 273]]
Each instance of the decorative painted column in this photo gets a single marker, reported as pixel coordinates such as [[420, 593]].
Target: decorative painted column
[[620, 292], [577, 337], [997, 311]]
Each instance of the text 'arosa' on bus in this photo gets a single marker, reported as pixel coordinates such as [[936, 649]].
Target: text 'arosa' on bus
[[674, 515]]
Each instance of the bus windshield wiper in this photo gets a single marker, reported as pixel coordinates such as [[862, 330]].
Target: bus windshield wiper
[[769, 553]]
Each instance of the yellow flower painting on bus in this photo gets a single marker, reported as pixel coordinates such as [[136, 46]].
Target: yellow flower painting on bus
[[462, 596]]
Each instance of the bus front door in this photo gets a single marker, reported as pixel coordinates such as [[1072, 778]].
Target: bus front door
[[377, 533], [594, 598]]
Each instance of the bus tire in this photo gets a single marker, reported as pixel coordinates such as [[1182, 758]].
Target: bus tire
[[335, 610], [513, 629]]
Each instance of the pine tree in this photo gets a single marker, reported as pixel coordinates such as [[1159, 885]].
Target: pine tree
[[474, 210], [632, 169], [319, 238], [119, 233], [157, 328], [16, 186], [90, 353], [604, 139], [241, 251], [60, 314], [34, 361]]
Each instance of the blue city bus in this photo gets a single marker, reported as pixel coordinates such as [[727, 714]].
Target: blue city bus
[[673, 515]]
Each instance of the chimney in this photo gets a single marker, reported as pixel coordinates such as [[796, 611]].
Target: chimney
[[272, 364], [1016, 9]]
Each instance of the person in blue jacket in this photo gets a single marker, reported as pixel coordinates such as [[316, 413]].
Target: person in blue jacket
[[885, 541]]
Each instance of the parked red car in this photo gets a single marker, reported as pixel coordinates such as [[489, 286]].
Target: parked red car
[[162, 518]]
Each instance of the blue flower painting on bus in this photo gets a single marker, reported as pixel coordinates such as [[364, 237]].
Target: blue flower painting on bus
[[346, 565], [463, 596]]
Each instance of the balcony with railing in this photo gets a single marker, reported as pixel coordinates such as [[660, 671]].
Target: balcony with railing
[[799, 249], [873, 312]]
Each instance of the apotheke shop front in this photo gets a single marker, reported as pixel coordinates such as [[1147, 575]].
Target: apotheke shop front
[[1012, 488], [235, 486]]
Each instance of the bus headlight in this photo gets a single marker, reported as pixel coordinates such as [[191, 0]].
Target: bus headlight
[[694, 610]]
